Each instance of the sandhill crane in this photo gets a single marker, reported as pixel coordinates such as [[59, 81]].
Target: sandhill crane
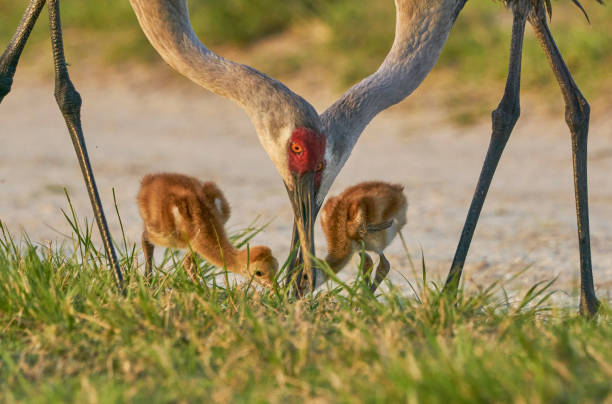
[[372, 213], [281, 117], [182, 212]]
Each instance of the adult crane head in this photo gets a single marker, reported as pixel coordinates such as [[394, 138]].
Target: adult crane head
[[288, 127]]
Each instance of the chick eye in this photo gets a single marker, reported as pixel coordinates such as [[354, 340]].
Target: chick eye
[[258, 273], [296, 148], [320, 166]]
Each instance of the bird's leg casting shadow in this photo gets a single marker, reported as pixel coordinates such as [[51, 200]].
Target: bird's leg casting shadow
[[577, 112], [504, 119], [68, 100]]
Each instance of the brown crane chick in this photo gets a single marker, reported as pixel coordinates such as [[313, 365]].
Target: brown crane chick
[[182, 212], [371, 213]]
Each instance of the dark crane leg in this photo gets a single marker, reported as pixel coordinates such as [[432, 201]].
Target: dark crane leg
[[504, 119], [577, 112], [10, 57], [69, 102]]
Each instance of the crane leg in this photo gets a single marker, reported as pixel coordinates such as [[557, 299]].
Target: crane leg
[[69, 102], [504, 118], [10, 57], [577, 112], [67, 98]]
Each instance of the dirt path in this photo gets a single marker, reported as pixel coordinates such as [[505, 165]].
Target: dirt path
[[528, 218]]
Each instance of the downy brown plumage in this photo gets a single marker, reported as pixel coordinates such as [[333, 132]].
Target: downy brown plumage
[[369, 214], [182, 212]]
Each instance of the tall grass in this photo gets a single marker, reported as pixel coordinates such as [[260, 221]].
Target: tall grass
[[68, 336]]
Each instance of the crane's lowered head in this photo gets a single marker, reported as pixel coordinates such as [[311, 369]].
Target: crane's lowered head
[[306, 162]]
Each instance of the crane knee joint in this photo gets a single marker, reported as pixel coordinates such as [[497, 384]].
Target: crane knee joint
[[577, 115], [505, 116], [68, 99]]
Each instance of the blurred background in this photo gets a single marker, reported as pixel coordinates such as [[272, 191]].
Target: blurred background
[[140, 116], [334, 43]]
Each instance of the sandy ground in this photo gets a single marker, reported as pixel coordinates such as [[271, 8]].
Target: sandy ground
[[131, 130]]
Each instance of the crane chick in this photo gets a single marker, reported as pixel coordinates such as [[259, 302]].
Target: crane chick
[[182, 212], [371, 213]]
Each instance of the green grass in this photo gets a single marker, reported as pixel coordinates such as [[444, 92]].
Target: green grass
[[68, 336]]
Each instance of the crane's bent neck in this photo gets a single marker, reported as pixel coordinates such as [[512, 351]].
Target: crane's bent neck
[[422, 28], [270, 105]]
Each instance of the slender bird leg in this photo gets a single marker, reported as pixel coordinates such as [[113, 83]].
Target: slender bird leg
[[381, 272], [366, 266], [504, 118], [69, 102], [577, 113], [10, 57], [148, 248], [190, 266]]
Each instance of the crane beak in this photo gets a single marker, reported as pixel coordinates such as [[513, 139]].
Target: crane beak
[[302, 198]]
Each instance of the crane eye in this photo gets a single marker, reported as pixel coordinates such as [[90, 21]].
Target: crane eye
[[296, 148]]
